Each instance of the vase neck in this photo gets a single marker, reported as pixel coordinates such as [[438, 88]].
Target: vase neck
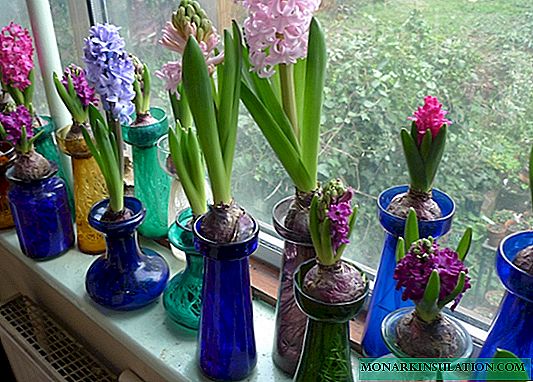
[[195, 263], [123, 251], [326, 353]]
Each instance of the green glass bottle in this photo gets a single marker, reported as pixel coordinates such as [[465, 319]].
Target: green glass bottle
[[326, 352], [152, 185], [46, 146], [183, 295]]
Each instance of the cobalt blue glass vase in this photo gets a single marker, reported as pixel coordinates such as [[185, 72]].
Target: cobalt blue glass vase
[[385, 298], [227, 350], [183, 295], [42, 215], [512, 329], [126, 277]]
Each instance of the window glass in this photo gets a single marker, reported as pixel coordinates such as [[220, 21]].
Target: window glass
[[384, 57]]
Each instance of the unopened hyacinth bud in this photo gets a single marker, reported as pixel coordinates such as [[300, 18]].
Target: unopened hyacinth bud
[[423, 248], [190, 12]]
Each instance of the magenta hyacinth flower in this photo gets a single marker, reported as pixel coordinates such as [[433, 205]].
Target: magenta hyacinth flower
[[277, 32], [14, 121], [429, 117], [83, 90], [339, 212], [16, 56], [414, 270]]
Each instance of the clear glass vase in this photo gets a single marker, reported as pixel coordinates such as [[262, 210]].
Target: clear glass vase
[[183, 294], [385, 298], [290, 320], [7, 156], [42, 215], [326, 352], [152, 185], [227, 349], [389, 335], [127, 276], [512, 329], [89, 188]]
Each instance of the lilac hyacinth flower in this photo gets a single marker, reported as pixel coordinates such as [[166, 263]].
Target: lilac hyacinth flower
[[414, 270], [110, 70]]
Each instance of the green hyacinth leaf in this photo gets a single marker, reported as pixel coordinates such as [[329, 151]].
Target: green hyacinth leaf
[[431, 294], [464, 244], [400, 249], [425, 146], [435, 155], [411, 229], [415, 164], [455, 292], [505, 356]]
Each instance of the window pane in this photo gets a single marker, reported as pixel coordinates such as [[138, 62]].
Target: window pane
[[384, 57]]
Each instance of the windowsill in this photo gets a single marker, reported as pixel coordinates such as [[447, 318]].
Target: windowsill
[[146, 333]]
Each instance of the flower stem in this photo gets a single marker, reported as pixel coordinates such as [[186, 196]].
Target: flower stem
[[288, 96]]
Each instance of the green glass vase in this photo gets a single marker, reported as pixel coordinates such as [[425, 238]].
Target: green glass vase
[[46, 146], [183, 295], [326, 352], [152, 185]]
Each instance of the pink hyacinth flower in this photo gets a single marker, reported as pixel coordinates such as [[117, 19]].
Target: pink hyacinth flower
[[429, 117], [277, 32], [16, 56]]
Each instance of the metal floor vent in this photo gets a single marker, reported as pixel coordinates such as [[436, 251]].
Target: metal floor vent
[[49, 344]]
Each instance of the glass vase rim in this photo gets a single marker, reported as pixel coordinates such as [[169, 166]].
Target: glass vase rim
[[158, 121], [129, 201], [405, 188], [61, 136], [48, 128], [330, 304], [211, 243], [396, 314], [282, 229], [502, 251], [10, 153], [50, 174]]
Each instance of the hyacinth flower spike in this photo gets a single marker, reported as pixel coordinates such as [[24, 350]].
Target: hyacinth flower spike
[[16, 126], [76, 94], [292, 126], [423, 148], [142, 87], [331, 222], [16, 65], [412, 251]]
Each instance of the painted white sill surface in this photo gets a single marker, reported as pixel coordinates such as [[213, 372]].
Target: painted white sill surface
[[147, 332]]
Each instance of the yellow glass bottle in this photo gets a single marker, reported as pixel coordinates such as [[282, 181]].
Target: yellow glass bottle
[[89, 188], [7, 156]]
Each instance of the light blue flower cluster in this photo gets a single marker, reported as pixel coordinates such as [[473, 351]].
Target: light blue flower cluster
[[110, 70]]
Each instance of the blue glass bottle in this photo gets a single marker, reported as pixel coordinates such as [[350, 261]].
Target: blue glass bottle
[[227, 349], [385, 298], [326, 351], [152, 185], [42, 215], [183, 294], [126, 277], [512, 328]]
